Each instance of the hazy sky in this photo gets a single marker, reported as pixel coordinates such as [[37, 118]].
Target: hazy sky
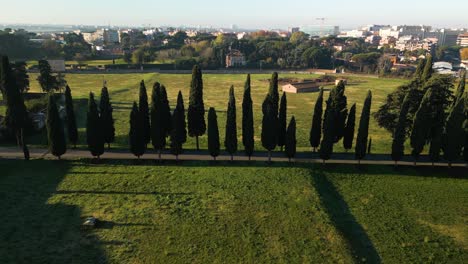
[[244, 13]]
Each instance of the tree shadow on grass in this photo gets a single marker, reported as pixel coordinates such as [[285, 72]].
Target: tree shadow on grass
[[32, 230], [334, 204]]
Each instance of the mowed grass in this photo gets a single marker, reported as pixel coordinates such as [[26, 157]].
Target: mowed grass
[[124, 90], [199, 212]]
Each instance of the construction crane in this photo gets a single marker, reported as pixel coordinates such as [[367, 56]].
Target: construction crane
[[322, 23]]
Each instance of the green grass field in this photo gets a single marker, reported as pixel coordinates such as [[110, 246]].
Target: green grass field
[[202, 212], [124, 90]]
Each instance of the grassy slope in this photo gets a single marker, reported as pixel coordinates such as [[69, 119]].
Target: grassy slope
[[228, 213], [124, 90]]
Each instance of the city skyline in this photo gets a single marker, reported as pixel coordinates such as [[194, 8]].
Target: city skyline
[[260, 14]]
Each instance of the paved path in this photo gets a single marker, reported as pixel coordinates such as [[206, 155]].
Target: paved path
[[340, 158]]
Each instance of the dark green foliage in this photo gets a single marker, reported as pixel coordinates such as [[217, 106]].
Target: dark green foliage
[[94, 129], [465, 147], [326, 146], [136, 134], [461, 87], [55, 130], [316, 128], [282, 121], [158, 122], [26, 153], [290, 144], [178, 132], [166, 111], [421, 125], [336, 105], [213, 133], [21, 76], [107, 119], [144, 111], [47, 81], [196, 109], [369, 146], [230, 140], [273, 93], [363, 130], [269, 125], [427, 73], [399, 136], [247, 119], [71, 119], [436, 133], [420, 68], [349, 128], [454, 134]]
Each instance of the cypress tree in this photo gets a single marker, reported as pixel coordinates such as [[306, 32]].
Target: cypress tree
[[144, 111], [247, 120], [421, 125], [427, 73], [213, 133], [55, 129], [273, 93], [363, 130], [282, 121], [196, 109], [71, 119], [420, 68], [436, 132], [336, 104], [106, 117], [349, 129], [269, 126], [136, 134], [230, 140], [316, 128], [461, 87], [94, 131], [399, 136], [290, 144], [178, 132], [166, 111], [454, 135], [326, 146], [158, 135], [369, 146]]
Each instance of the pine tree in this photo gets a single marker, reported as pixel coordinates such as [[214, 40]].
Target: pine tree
[[349, 129], [421, 125], [420, 68], [213, 133], [427, 73], [363, 131], [282, 121], [399, 136], [71, 119], [178, 132], [316, 128], [144, 111], [290, 144], [230, 140], [269, 126], [196, 109], [454, 134], [136, 134], [247, 120], [94, 131], [106, 117], [55, 129]]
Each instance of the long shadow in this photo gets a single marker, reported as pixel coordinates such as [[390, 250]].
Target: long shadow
[[359, 242], [35, 231]]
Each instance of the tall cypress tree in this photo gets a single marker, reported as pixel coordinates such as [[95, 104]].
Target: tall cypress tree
[[213, 133], [269, 126], [230, 140], [196, 109], [282, 121], [136, 135], [454, 134], [94, 131], [363, 131], [290, 144], [421, 125], [337, 105], [247, 120], [420, 68], [316, 128], [166, 111], [427, 73], [436, 132], [71, 119], [144, 111], [273, 93], [461, 87], [399, 136], [326, 145], [107, 118], [178, 132], [349, 129], [55, 129]]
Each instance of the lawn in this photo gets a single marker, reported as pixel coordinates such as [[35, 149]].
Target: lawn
[[124, 90], [200, 212]]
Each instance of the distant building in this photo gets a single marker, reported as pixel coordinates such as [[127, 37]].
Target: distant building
[[302, 87], [462, 40], [235, 58], [110, 36]]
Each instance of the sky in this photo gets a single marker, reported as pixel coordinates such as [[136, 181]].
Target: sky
[[259, 14]]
